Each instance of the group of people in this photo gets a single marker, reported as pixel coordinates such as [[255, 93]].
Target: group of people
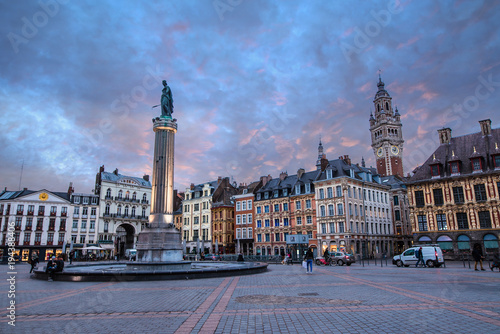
[[53, 266]]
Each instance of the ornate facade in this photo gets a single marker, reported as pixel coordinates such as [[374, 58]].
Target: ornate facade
[[454, 196]]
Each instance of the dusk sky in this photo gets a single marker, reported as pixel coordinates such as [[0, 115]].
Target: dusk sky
[[255, 83]]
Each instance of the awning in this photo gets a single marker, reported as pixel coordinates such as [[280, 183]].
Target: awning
[[92, 248], [108, 246]]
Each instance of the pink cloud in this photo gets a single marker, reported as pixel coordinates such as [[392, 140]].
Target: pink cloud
[[421, 132], [279, 98], [408, 42], [366, 87], [347, 142], [245, 140]]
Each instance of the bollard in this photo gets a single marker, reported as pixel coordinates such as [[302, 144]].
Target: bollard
[[381, 263], [363, 261], [386, 261], [463, 259], [468, 260], [375, 259]]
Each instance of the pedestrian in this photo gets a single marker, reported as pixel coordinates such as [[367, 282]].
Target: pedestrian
[[419, 254], [326, 255], [34, 261], [309, 257], [477, 254], [71, 255]]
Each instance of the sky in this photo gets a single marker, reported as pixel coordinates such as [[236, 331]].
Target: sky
[[255, 84]]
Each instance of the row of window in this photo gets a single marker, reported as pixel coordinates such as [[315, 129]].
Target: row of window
[[197, 194], [454, 167], [127, 195], [38, 238], [244, 233], [31, 210], [85, 200], [85, 212], [244, 205], [458, 195], [354, 192], [126, 210], [284, 222], [462, 221], [276, 237], [83, 225], [299, 189], [372, 228], [196, 207], [82, 240], [244, 219], [39, 224]]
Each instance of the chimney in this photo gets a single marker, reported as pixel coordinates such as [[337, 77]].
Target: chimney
[[192, 186], [444, 135], [485, 127], [219, 179], [283, 175], [115, 171], [70, 189], [300, 172], [101, 169], [25, 189], [324, 163], [347, 160], [146, 177]]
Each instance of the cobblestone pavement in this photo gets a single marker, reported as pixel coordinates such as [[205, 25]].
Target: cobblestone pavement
[[355, 299]]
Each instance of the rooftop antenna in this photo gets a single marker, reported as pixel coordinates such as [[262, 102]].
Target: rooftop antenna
[[21, 177]]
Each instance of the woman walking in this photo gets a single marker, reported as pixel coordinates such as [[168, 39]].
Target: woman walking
[[309, 257]]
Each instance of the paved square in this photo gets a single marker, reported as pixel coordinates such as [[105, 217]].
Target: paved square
[[355, 299]]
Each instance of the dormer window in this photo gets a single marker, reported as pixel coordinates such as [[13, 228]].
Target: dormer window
[[308, 187], [275, 194], [476, 165], [454, 168], [285, 192], [329, 174], [435, 171], [496, 160], [297, 189], [266, 195], [258, 196]]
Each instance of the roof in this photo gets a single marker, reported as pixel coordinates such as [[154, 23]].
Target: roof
[[112, 177], [10, 195], [461, 149]]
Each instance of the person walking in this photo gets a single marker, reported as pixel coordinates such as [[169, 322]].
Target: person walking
[[419, 254], [309, 257], [477, 254]]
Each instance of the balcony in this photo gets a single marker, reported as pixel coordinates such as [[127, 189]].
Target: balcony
[[26, 243], [60, 243], [53, 214], [20, 212], [64, 214], [51, 228], [28, 228], [50, 243], [18, 227], [62, 228], [108, 197], [41, 213], [76, 215], [145, 201], [37, 243]]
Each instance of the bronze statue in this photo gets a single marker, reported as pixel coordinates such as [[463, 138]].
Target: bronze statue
[[167, 102]]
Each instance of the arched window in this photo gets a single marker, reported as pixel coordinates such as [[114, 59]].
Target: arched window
[[134, 196], [119, 210], [108, 192], [127, 195], [144, 198], [424, 240], [463, 242], [120, 194], [331, 211], [133, 211], [126, 210], [106, 210], [143, 211], [258, 251], [322, 210], [387, 106], [445, 242], [490, 242]]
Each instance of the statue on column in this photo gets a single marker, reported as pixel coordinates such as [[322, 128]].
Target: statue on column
[[167, 102]]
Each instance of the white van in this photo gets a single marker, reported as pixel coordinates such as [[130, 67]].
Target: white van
[[433, 256]]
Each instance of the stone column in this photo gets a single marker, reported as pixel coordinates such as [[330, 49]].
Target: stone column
[[160, 241], [162, 193]]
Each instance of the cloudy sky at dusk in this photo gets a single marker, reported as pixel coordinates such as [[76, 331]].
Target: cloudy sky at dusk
[[255, 83]]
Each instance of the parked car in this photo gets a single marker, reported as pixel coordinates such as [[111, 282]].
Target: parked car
[[212, 257], [433, 256], [341, 258]]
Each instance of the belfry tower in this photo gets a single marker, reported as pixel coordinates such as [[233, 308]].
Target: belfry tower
[[387, 137]]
